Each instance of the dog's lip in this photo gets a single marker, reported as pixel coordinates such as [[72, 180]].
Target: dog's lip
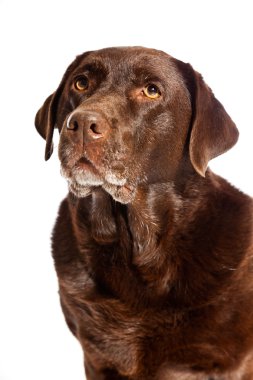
[[111, 175], [121, 186], [127, 188], [123, 194], [85, 164]]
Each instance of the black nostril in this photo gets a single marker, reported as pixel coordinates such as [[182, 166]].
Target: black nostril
[[95, 129], [72, 124], [75, 125]]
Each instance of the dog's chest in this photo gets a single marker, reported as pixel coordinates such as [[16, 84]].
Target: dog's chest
[[114, 333], [94, 284]]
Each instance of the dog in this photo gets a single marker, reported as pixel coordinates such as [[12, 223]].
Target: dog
[[153, 251]]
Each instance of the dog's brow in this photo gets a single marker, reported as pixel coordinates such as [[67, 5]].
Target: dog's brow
[[146, 74], [92, 67]]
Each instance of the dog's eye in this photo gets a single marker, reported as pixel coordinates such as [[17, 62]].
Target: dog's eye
[[152, 91], [81, 83]]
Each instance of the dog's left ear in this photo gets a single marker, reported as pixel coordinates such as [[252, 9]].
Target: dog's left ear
[[212, 130], [45, 121]]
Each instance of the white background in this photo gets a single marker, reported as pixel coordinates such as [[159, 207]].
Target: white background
[[38, 40]]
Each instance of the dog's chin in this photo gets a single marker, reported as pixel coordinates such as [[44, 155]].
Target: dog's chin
[[82, 183], [80, 191], [123, 194]]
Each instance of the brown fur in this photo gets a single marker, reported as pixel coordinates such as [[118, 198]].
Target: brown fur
[[153, 251]]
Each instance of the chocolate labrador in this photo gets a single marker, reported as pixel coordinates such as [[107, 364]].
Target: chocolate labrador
[[153, 251]]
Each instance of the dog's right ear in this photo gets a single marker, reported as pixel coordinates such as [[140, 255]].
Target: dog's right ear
[[46, 117], [45, 121]]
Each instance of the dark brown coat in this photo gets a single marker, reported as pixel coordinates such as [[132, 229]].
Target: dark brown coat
[[153, 251]]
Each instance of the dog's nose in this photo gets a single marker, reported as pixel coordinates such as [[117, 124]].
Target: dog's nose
[[89, 125]]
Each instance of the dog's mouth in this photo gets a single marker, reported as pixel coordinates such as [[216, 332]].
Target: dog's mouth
[[84, 177], [83, 164]]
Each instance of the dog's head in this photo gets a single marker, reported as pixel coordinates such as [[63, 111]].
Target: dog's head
[[128, 116]]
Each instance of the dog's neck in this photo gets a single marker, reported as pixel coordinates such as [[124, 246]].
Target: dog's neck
[[147, 238], [146, 218], [143, 230]]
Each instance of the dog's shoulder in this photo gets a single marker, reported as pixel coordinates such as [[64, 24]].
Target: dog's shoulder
[[231, 216], [230, 201]]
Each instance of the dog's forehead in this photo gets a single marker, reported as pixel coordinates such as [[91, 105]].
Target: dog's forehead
[[128, 59]]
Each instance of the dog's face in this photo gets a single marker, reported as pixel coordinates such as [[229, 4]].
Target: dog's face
[[129, 116]]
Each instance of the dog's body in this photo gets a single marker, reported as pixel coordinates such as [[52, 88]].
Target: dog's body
[[153, 251]]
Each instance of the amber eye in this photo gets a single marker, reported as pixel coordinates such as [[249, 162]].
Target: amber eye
[[152, 91], [81, 83]]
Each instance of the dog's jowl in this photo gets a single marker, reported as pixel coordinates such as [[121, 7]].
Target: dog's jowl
[[153, 251]]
